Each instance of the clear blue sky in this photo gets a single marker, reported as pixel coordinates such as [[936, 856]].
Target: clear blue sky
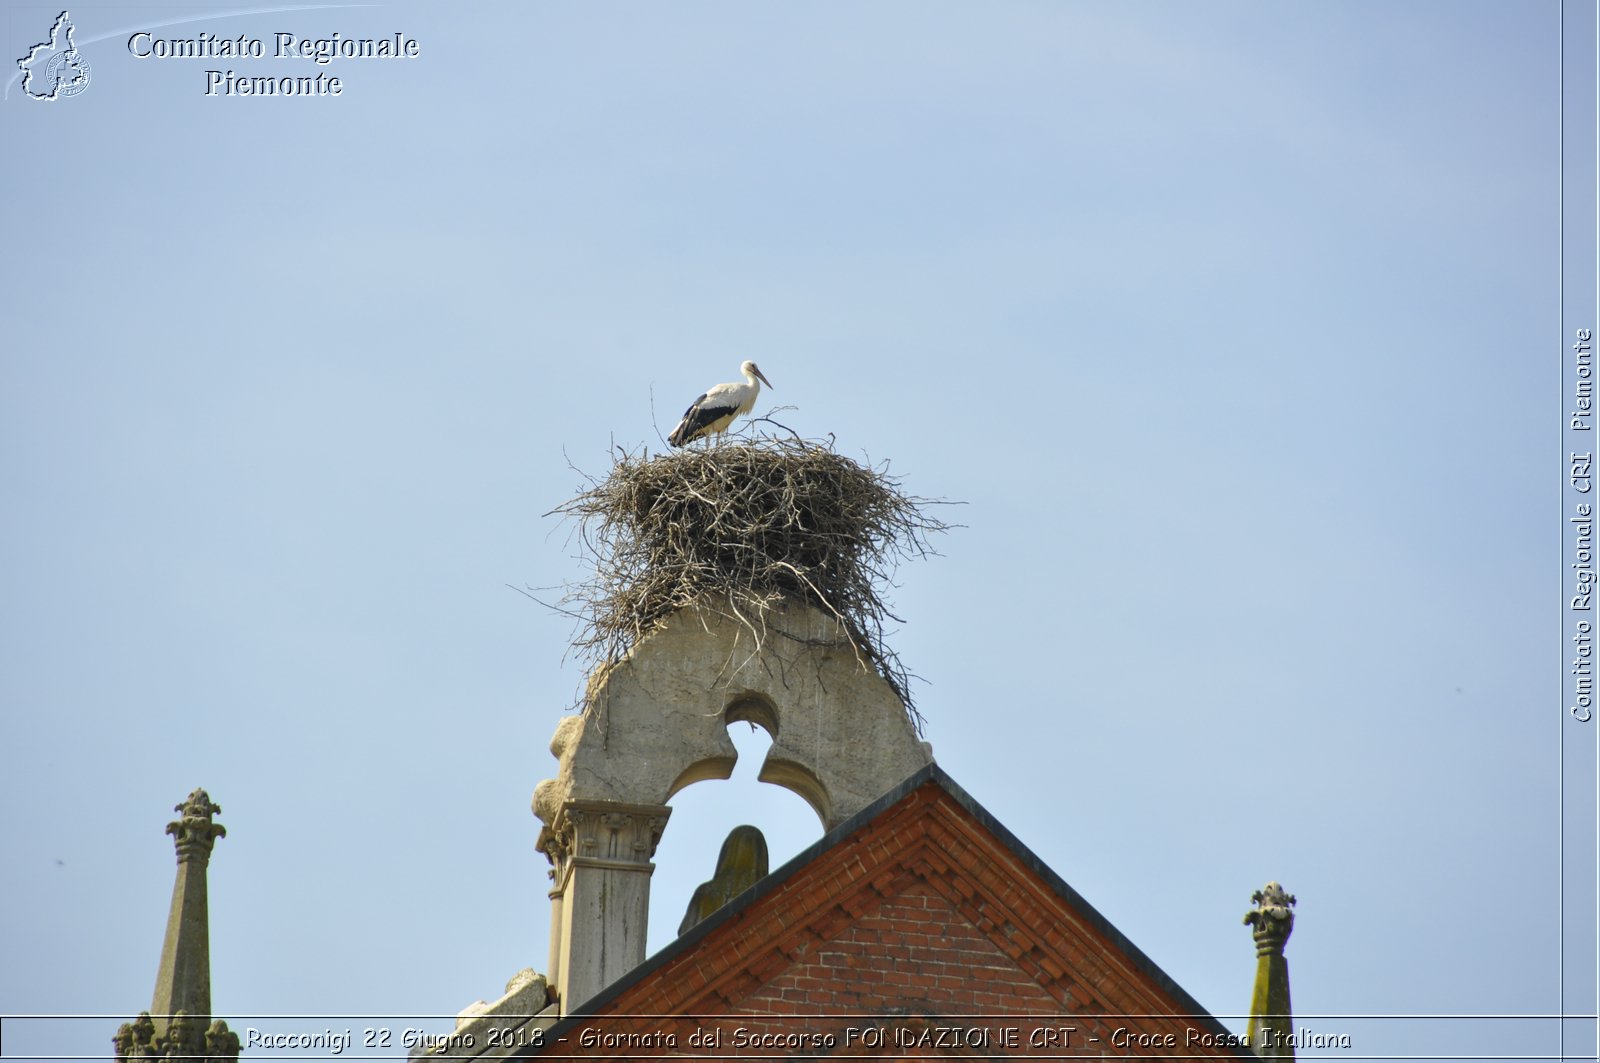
[[1230, 323]]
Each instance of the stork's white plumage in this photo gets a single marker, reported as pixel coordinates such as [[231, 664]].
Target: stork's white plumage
[[715, 410]]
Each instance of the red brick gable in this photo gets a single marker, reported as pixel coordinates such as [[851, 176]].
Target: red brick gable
[[914, 949], [920, 928]]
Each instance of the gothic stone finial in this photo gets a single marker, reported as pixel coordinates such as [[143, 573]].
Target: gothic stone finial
[[183, 1038], [195, 833], [1271, 1028], [1272, 918], [135, 1040], [222, 1044], [184, 1035]]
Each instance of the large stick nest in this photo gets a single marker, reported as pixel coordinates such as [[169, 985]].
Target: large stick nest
[[753, 524]]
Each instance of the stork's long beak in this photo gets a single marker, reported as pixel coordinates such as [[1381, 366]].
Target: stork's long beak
[[757, 371]]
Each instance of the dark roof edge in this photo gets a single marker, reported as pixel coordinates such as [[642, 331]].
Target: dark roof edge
[[931, 773]]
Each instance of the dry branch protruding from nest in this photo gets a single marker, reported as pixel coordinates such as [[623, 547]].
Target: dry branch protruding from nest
[[754, 523]]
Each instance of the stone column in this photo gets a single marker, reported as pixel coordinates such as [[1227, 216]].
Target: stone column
[[1271, 921], [553, 968], [602, 852]]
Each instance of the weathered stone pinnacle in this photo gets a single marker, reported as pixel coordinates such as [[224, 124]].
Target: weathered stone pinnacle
[[183, 981], [179, 1020], [1271, 921]]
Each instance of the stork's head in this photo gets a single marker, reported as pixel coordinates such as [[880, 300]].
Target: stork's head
[[750, 369]]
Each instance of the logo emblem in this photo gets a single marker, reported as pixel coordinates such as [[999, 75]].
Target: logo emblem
[[55, 68]]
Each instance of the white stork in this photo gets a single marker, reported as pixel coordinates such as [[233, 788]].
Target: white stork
[[715, 410]]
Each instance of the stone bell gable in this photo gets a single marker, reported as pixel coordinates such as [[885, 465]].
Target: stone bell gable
[[657, 721], [918, 926]]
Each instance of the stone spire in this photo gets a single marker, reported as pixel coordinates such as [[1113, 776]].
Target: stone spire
[[1271, 921], [176, 1023]]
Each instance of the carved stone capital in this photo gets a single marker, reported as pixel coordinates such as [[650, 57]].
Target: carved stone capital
[[556, 847], [610, 834], [1272, 919], [195, 833]]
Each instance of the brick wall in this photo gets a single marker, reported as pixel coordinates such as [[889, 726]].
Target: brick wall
[[921, 934]]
